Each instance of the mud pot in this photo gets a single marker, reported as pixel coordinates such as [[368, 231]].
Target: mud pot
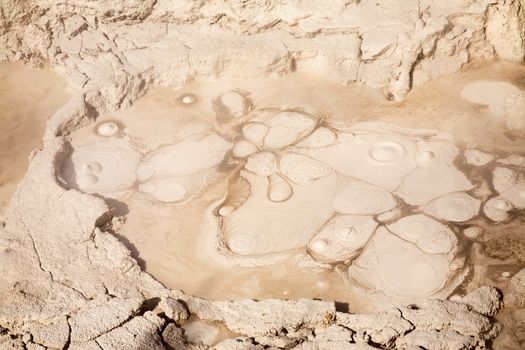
[[298, 187]]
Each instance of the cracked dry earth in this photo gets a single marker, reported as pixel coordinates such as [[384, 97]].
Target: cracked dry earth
[[214, 175]]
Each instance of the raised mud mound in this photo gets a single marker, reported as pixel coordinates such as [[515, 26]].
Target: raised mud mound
[[393, 216]]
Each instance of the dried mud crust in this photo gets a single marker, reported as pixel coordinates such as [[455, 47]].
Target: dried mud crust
[[67, 284], [116, 50]]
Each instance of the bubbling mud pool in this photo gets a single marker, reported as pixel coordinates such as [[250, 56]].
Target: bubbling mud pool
[[28, 97], [298, 187]]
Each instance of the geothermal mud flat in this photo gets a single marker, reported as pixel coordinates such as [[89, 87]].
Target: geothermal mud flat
[[296, 190], [241, 189], [253, 201]]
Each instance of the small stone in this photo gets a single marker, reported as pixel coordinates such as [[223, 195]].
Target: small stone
[[173, 309]]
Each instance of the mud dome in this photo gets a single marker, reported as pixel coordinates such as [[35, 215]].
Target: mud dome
[[280, 184]]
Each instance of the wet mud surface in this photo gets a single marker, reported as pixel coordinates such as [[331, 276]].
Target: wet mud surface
[[239, 189], [28, 97]]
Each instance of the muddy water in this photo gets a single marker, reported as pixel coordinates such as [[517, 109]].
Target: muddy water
[[28, 97], [177, 243]]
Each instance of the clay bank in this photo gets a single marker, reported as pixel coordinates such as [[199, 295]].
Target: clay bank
[[263, 175]]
